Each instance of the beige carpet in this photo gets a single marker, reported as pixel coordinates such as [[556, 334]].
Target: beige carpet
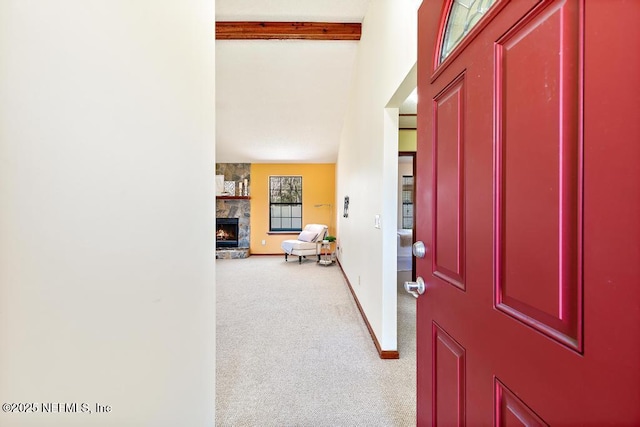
[[293, 350]]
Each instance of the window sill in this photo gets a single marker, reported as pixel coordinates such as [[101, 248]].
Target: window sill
[[294, 233]]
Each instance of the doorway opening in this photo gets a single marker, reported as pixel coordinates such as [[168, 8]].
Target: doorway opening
[[401, 143], [406, 264]]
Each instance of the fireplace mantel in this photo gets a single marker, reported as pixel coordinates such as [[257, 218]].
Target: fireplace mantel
[[233, 197]]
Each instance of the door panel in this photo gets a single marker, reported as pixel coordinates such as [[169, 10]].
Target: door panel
[[511, 411], [448, 244], [449, 379], [528, 199], [539, 173]]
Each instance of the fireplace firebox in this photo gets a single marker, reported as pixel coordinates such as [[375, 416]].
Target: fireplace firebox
[[226, 232]]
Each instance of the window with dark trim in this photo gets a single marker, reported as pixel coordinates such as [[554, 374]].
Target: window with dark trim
[[407, 202], [285, 203]]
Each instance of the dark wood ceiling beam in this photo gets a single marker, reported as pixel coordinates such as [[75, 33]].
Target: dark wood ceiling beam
[[247, 30]]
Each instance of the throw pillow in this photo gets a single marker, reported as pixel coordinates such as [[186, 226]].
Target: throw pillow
[[307, 236]]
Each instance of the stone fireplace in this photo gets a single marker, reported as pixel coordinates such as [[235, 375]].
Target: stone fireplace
[[233, 214]]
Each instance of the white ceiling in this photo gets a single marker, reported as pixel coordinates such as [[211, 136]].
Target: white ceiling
[[283, 101], [409, 111], [291, 10]]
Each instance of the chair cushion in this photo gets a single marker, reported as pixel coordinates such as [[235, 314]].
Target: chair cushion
[[296, 245], [307, 236]]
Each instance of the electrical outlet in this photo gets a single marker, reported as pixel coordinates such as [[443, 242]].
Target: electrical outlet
[[264, 242]]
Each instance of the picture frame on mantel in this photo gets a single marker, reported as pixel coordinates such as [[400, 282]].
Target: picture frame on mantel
[[229, 188], [219, 185]]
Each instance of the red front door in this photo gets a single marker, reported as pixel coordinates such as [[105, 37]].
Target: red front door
[[528, 201]]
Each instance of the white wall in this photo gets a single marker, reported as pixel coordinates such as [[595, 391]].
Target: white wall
[[367, 161], [106, 211]]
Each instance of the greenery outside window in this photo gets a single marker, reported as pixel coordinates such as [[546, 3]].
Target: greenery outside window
[[285, 203]]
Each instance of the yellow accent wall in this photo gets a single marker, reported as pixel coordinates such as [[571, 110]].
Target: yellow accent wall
[[318, 187], [407, 140]]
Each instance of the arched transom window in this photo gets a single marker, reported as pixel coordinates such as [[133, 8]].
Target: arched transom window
[[463, 16]]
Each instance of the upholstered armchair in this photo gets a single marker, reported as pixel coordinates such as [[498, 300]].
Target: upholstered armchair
[[305, 244]]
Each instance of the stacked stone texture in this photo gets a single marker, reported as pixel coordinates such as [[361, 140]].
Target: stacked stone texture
[[235, 208]]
